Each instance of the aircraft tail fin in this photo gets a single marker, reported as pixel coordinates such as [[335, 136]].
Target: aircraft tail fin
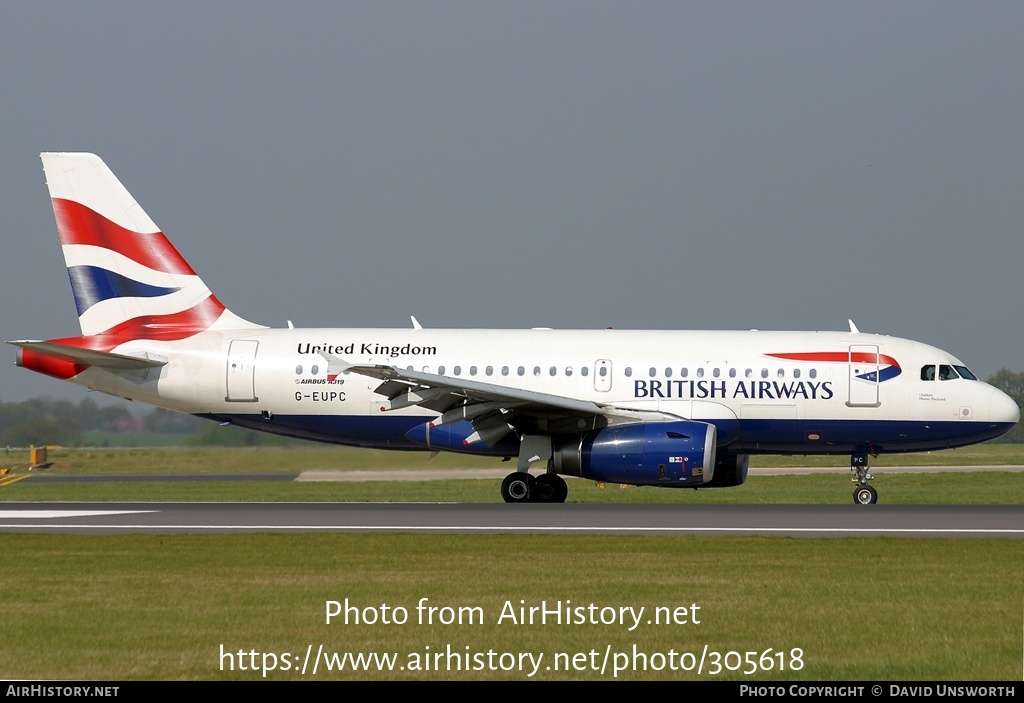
[[128, 280]]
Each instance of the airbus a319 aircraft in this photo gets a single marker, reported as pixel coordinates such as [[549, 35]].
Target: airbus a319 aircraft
[[651, 408]]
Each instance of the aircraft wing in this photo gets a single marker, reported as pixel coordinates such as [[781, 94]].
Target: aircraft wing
[[458, 389], [493, 409]]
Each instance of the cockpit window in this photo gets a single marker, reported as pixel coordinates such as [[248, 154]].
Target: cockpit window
[[928, 373], [966, 373], [947, 372]]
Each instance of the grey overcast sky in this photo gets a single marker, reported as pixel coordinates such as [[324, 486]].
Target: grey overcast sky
[[677, 165]]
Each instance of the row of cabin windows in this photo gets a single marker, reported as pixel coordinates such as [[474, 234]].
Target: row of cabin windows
[[603, 371], [718, 373], [519, 371]]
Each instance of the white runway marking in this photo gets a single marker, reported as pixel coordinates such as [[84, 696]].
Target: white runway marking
[[53, 514]]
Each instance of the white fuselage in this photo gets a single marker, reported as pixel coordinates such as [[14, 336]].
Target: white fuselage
[[807, 392]]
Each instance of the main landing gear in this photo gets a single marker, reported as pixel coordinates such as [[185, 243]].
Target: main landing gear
[[863, 494], [521, 487]]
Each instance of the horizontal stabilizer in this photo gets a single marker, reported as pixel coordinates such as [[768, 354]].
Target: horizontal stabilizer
[[89, 357]]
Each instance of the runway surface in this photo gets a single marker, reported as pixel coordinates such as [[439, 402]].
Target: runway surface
[[447, 474], [950, 521]]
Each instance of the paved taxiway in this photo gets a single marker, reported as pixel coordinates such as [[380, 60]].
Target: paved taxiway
[[957, 521]]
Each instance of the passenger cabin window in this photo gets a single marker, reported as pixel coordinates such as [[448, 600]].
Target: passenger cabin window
[[668, 372], [796, 373], [684, 372], [603, 371], [652, 372], [568, 371], [298, 370], [629, 371], [552, 371], [440, 370], [314, 369], [813, 373], [700, 372], [521, 370], [732, 373], [585, 371], [457, 370], [472, 371], [928, 373], [536, 371], [504, 371], [489, 370]]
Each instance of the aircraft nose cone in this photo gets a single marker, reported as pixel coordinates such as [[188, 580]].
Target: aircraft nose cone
[[1002, 408]]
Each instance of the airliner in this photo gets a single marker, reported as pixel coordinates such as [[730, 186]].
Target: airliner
[[675, 409]]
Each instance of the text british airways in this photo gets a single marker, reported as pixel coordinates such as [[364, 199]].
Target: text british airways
[[753, 390]]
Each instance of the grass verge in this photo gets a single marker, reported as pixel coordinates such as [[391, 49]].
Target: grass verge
[[160, 607]]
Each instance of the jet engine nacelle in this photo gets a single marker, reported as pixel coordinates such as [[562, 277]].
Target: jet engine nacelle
[[462, 436], [676, 454], [730, 470]]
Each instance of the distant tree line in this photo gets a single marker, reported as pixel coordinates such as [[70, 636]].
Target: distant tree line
[[43, 421], [48, 421]]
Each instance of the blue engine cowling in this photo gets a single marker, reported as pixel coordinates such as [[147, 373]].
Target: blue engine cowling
[[678, 454]]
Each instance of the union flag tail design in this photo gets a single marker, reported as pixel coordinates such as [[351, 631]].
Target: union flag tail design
[[128, 280]]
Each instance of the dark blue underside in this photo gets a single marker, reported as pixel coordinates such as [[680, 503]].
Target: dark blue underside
[[751, 437]]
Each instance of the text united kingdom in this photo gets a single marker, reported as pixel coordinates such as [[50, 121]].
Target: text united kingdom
[[367, 349]]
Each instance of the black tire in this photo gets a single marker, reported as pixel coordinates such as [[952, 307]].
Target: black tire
[[865, 495], [549, 488], [517, 487], [562, 490]]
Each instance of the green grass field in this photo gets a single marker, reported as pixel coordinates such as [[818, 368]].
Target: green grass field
[[159, 607]]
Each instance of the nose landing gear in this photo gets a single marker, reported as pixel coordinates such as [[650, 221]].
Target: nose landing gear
[[860, 463]]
